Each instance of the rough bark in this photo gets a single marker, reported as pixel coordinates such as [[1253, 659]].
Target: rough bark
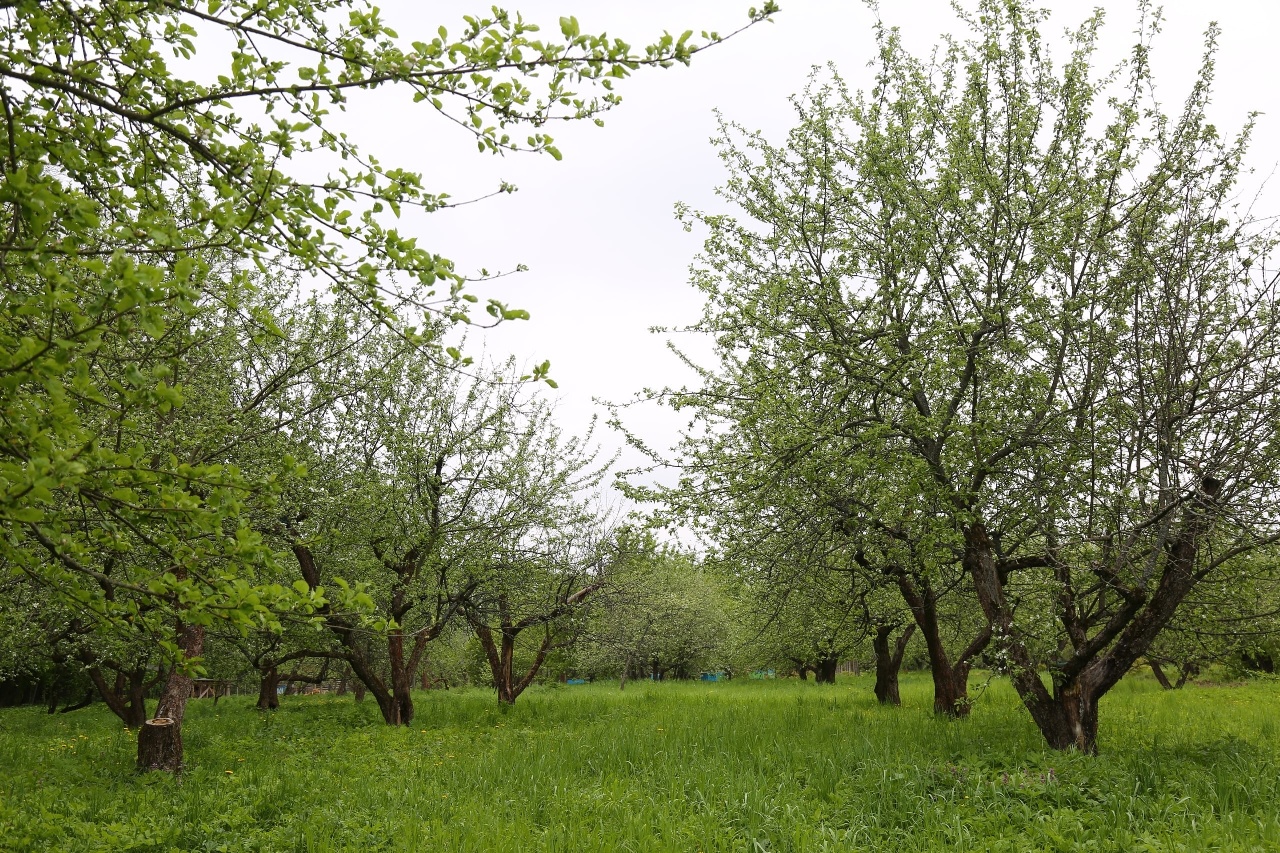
[[405, 650], [499, 645], [500, 653], [889, 662], [160, 743]]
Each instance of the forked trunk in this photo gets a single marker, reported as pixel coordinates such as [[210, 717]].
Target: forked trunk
[[500, 652], [889, 662], [1068, 717], [950, 679], [127, 696], [1073, 723]]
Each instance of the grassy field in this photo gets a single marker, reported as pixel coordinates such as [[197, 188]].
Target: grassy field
[[746, 766]]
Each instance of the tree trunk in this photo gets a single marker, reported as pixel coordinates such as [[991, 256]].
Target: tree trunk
[[500, 653], [127, 697], [1258, 662], [160, 745], [83, 703], [269, 689], [889, 662], [1074, 723], [1068, 717], [160, 741], [825, 672], [1158, 672], [950, 680]]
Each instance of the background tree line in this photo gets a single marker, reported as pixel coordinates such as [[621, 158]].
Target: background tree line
[[164, 386]]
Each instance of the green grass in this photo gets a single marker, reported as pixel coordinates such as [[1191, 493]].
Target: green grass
[[739, 766]]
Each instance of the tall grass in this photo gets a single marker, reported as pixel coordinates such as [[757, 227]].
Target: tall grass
[[739, 766]]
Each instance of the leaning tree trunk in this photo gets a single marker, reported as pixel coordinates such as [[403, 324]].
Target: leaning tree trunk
[[889, 662], [1158, 671], [160, 740]]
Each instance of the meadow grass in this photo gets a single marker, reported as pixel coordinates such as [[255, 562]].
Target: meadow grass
[[743, 765]]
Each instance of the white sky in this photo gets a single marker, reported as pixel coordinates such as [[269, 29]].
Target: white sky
[[606, 258]]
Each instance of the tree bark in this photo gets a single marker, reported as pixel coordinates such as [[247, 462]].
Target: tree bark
[[825, 672], [950, 679], [269, 689], [500, 653], [1158, 672], [401, 678], [889, 662], [160, 745], [160, 741]]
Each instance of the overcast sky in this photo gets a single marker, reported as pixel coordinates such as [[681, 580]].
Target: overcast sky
[[607, 259]]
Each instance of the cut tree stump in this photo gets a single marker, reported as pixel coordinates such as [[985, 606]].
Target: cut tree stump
[[160, 745]]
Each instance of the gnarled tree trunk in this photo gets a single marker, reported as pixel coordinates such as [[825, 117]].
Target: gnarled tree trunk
[[889, 662], [950, 679], [825, 671], [1068, 717], [126, 694]]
